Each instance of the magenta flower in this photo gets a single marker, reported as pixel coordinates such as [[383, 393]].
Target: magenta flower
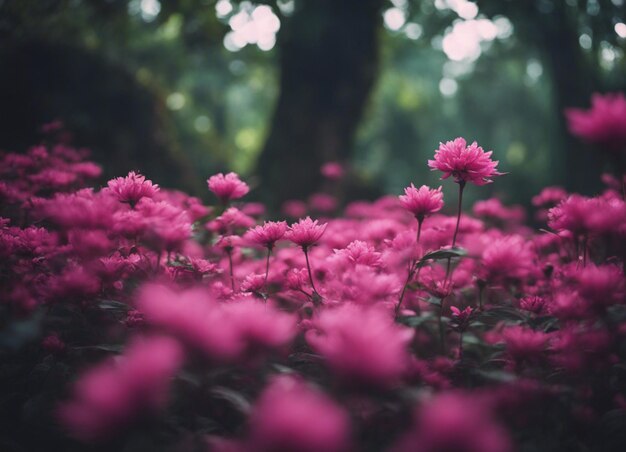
[[460, 319], [227, 187], [465, 163], [361, 344], [604, 123], [455, 422], [423, 201], [113, 393], [305, 232], [268, 234], [332, 170], [292, 416], [132, 188]]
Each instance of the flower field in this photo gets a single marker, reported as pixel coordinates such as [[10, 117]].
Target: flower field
[[138, 318]]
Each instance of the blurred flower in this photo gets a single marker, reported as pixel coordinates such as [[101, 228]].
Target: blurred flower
[[227, 187]]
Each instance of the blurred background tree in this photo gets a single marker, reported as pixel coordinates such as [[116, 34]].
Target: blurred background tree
[[273, 89]]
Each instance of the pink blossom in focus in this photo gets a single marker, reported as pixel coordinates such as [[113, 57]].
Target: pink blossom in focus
[[292, 416], [227, 187], [132, 188], [268, 234], [305, 232], [604, 123], [423, 201], [465, 163]]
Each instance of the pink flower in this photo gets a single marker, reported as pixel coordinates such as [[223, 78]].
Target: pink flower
[[132, 188], [227, 187], [465, 163], [532, 303], [604, 123], [224, 332], [602, 286], [292, 416], [454, 422], [305, 232], [332, 170], [113, 393], [361, 344], [549, 196], [460, 319], [268, 234], [423, 201], [507, 259]]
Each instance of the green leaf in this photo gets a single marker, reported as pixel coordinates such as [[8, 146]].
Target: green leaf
[[442, 254]]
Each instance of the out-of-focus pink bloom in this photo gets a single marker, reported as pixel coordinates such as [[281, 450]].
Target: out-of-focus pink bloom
[[292, 416], [465, 163], [601, 286], [361, 344], [268, 234], [230, 220], [223, 331], [581, 215], [294, 208], [507, 259], [524, 344], [322, 202], [454, 422], [305, 232], [494, 210], [532, 303], [227, 187], [332, 170], [132, 188], [549, 196], [423, 201], [112, 394], [604, 123], [578, 349]]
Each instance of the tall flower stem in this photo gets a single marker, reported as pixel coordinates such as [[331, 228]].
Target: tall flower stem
[[460, 345], [308, 267], [412, 266], [458, 222], [267, 266], [229, 252], [458, 215]]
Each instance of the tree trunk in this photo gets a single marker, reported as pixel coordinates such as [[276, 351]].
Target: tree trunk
[[328, 65]]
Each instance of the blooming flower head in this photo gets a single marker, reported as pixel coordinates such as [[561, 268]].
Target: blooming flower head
[[132, 188], [305, 232], [113, 393], [604, 123], [423, 201], [465, 163], [361, 344], [291, 416], [267, 234], [460, 319], [227, 187], [454, 422]]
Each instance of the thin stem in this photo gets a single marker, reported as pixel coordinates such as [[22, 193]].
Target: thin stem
[[585, 241], [267, 265], [458, 215], [419, 229], [406, 284], [308, 267], [230, 265], [460, 345]]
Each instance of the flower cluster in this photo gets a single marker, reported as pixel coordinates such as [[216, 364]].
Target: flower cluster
[[133, 314]]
